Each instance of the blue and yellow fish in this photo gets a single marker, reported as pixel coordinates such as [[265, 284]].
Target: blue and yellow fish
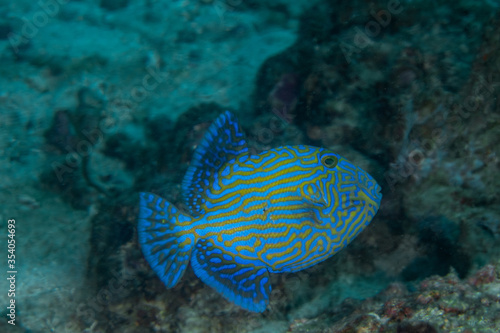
[[282, 210]]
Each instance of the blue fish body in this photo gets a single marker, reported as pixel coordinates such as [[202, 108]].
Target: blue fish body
[[282, 210]]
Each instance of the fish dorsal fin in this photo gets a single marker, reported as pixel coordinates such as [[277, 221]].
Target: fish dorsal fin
[[245, 285], [223, 141]]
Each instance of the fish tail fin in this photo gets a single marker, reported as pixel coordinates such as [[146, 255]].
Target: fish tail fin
[[164, 237]]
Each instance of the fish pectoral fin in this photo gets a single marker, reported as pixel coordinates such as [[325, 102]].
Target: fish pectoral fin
[[311, 194], [245, 285], [308, 210]]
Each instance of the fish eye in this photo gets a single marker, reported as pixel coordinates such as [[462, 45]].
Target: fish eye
[[329, 161]]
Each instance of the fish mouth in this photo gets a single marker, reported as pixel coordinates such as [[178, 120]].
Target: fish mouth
[[369, 186]]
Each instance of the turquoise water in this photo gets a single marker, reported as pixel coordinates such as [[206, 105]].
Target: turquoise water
[[101, 100]]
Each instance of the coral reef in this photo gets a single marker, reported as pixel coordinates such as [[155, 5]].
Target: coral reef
[[438, 304]]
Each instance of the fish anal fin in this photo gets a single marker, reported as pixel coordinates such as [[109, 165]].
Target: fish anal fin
[[245, 285]]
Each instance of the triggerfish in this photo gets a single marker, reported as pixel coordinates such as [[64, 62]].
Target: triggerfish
[[283, 210]]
